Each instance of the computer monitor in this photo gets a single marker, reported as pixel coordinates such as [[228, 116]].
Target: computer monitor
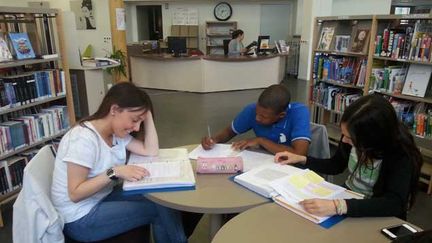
[[177, 45], [263, 43]]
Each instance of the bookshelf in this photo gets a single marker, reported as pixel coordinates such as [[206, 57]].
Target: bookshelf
[[36, 105], [216, 32], [395, 44], [339, 65]]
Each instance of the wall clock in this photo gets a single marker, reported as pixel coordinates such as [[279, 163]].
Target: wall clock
[[222, 11]]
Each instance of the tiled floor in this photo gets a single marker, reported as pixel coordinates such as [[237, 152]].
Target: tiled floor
[[182, 118]]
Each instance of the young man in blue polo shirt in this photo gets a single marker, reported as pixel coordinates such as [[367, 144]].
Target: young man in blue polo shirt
[[278, 124]]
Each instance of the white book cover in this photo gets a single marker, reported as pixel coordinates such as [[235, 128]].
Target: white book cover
[[170, 169], [417, 80], [251, 159], [258, 179]]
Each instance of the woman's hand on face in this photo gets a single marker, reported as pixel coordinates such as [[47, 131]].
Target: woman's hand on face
[[289, 158], [131, 172], [319, 207]]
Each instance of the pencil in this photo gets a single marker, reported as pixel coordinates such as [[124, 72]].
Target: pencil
[[208, 131]]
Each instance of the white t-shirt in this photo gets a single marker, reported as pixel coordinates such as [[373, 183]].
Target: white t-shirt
[[84, 146]]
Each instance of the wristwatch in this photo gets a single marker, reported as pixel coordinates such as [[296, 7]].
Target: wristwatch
[[111, 174]]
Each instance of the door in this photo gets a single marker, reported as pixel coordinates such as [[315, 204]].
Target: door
[[149, 22]]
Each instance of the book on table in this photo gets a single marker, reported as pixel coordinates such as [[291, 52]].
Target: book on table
[[171, 170], [287, 186]]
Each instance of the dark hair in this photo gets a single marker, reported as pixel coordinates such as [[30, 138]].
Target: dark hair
[[127, 96], [237, 33], [87, 3], [275, 97], [376, 132]]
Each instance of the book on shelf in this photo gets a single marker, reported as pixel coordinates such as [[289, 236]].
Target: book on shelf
[[326, 38], [28, 129], [5, 181], [22, 46], [25, 88], [251, 159], [360, 41], [288, 185], [5, 54], [417, 80], [170, 170], [388, 79], [410, 42], [342, 43], [16, 167]]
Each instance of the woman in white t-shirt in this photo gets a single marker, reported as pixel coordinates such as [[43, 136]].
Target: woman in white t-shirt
[[92, 156]]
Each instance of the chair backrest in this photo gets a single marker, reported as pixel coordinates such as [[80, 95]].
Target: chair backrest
[[33, 211], [41, 168], [319, 147], [225, 46]]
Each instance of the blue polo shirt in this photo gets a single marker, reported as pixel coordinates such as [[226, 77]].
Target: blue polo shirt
[[293, 126]]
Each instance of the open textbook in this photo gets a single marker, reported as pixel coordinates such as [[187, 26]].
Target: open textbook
[[288, 185], [251, 159], [171, 169]]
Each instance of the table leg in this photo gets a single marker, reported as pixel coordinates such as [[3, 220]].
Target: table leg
[[215, 224]]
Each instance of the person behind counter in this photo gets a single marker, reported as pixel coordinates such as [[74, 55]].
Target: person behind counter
[[235, 46]]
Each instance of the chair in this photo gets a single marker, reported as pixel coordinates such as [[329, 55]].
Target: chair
[[33, 211], [225, 46], [34, 214], [319, 146]]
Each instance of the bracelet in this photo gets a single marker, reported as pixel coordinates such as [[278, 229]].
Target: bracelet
[[334, 203]]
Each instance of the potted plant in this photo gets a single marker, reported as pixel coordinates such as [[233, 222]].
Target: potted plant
[[117, 71]]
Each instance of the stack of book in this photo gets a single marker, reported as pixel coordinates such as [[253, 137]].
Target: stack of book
[[16, 90], [11, 174], [31, 128], [410, 43]]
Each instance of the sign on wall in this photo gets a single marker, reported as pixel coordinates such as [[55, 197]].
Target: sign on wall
[[185, 16]]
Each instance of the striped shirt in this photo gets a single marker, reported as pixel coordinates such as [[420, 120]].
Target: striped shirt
[[362, 179]]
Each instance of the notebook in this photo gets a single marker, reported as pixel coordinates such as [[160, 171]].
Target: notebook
[[170, 170]]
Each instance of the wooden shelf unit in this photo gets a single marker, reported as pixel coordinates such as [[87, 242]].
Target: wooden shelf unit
[[27, 21], [321, 114], [190, 32], [216, 33]]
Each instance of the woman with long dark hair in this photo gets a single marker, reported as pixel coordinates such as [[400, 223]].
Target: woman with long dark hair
[[90, 159], [235, 46], [381, 156]]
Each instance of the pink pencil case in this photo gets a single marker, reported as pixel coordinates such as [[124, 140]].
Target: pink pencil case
[[219, 165]]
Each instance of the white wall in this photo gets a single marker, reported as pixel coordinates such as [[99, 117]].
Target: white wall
[[360, 7]]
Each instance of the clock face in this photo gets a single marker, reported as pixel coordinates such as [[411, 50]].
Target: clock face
[[223, 11]]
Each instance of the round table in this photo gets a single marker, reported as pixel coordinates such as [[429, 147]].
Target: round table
[[215, 194], [273, 223]]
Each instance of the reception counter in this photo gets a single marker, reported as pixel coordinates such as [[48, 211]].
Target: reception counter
[[206, 73]]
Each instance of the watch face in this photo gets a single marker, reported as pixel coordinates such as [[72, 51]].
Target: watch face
[[223, 11]]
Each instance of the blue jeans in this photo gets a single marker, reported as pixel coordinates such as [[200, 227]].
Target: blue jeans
[[118, 213]]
